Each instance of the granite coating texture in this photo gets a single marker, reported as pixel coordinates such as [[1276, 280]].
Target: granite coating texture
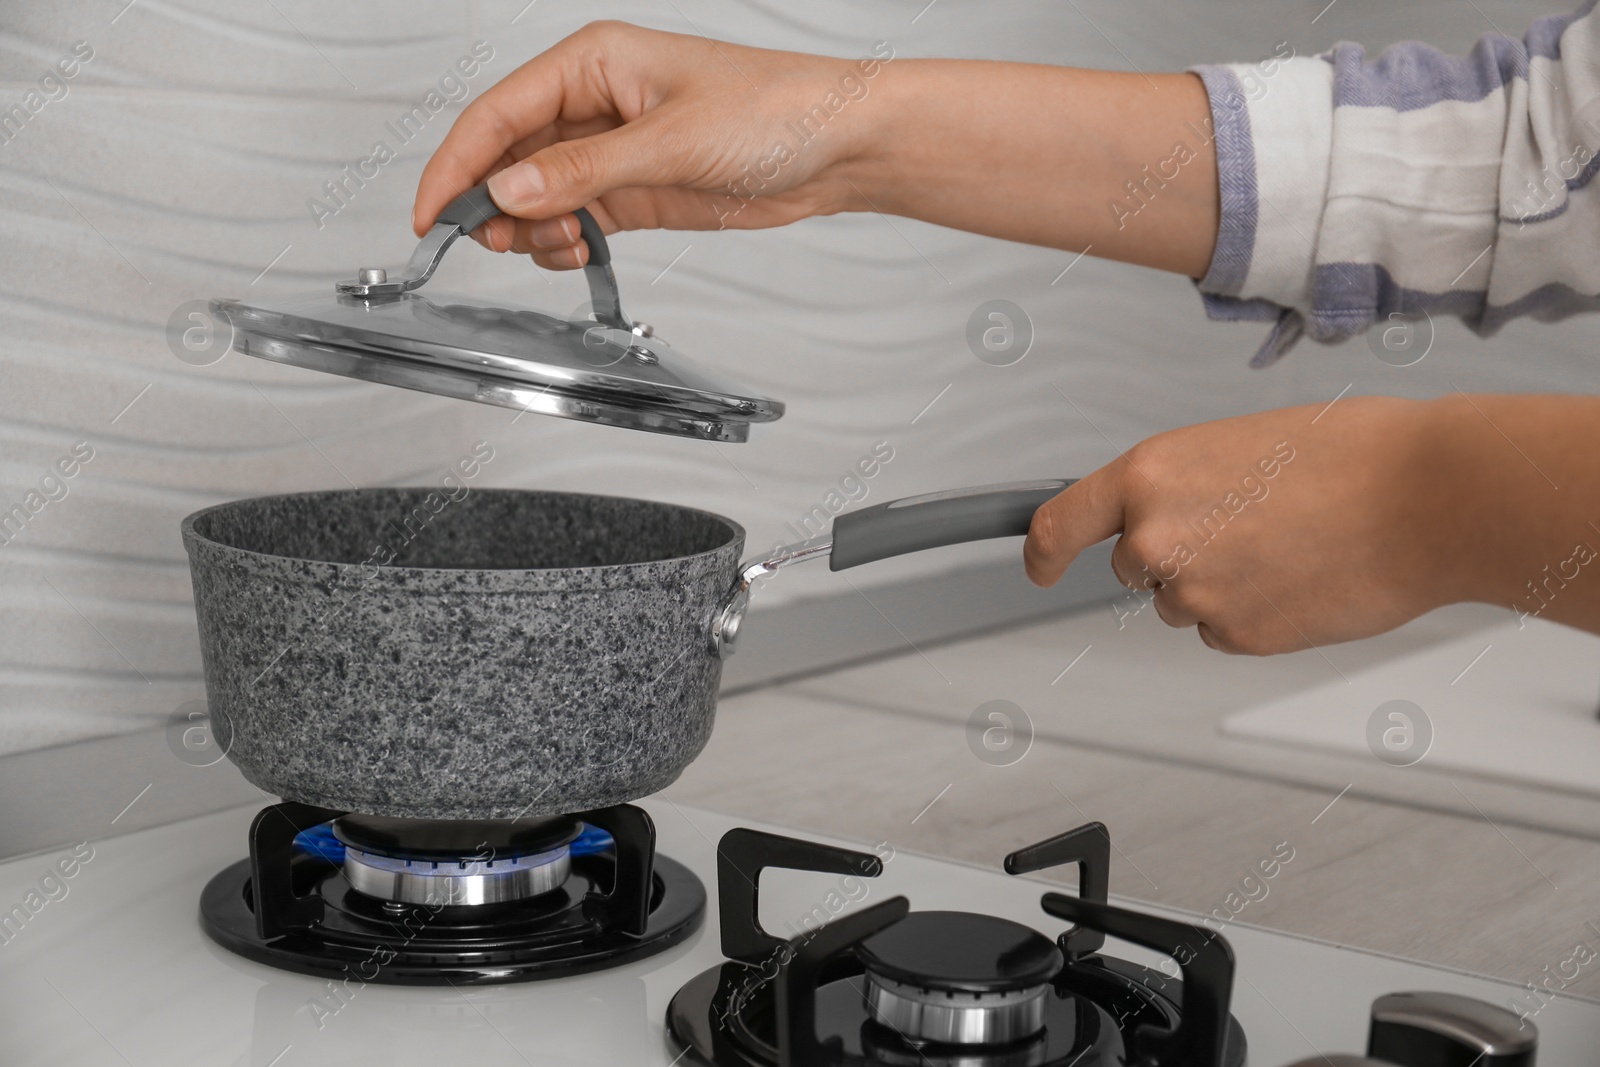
[[398, 652]]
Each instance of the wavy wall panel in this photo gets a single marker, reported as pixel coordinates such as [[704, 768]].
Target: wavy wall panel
[[179, 164]]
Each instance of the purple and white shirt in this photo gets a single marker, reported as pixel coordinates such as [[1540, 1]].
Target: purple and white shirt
[[1354, 189]]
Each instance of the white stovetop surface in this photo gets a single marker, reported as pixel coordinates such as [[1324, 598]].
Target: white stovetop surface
[[117, 971]]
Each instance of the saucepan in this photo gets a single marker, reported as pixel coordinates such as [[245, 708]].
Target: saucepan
[[493, 654]]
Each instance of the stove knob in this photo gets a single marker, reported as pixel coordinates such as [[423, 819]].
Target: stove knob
[[1446, 1030]]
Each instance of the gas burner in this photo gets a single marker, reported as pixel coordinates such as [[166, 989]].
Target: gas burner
[[889, 987], [412, 880], [959, 979], [468, 862], [423, 902]]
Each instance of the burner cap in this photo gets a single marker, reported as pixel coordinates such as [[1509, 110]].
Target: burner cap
[[959, 979], [455, 839], [959, 952]]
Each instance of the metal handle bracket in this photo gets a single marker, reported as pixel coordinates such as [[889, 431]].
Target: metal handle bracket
[[463, 215]]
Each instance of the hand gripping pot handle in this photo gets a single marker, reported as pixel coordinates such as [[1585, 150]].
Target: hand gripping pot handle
[[466, 213], [899, 527]]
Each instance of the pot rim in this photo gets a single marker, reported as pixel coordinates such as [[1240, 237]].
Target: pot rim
[[192, 536]]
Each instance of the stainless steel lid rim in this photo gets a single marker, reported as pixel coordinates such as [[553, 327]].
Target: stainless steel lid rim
[[424, 378], [524, 373], [597, 351]]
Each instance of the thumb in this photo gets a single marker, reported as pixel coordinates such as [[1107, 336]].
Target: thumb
[[1084, 513], [570, 174]]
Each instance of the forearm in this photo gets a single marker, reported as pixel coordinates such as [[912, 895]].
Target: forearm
[[1515, 503], [1046, 155]]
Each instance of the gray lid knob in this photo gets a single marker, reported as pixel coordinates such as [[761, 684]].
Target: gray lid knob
[[1447, 1030]]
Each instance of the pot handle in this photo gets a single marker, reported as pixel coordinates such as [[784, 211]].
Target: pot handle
[[933, 520], [466, 213]]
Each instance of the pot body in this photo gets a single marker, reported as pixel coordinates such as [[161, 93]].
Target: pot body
[[489, 655]]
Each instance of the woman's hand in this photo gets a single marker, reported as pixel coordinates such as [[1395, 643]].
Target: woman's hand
[[661, 130], [652, 130], [1306, 526]]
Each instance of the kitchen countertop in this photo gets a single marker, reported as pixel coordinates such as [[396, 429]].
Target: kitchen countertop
[[117, 971], [883, 750]]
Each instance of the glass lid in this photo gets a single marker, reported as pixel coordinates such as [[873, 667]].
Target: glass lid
[[608, 369]]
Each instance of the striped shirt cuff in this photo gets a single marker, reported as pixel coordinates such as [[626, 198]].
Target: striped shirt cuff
[[1272, 125]]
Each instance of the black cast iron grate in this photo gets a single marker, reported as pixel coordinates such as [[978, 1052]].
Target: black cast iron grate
[[293, 909]]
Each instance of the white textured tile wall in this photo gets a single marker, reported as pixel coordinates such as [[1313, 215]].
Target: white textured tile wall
[[179, 165]]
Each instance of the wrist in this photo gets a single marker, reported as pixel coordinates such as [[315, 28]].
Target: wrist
[[870, 161], [1484, 538]]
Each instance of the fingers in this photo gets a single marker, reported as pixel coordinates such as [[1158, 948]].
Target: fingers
[[554, 244], [565, 83], [1131, 570], [1212, 640], [570, 174], [563, 258], [497, 235], [525, 102], [1173, 611], [1085, 513], [1142, 574]]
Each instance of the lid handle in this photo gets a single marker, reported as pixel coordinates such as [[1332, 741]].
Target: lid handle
[[599, 251], [466, 213], [470, 210]]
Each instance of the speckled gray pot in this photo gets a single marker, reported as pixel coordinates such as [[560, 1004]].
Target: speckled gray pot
[[524, 653]]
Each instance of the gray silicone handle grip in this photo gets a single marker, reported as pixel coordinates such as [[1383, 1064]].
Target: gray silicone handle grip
[[599, 251], [475, 207], [938, 519], [471, 209]]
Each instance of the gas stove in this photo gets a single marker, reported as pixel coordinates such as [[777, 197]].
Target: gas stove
[[890, 986], [857, 954]]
